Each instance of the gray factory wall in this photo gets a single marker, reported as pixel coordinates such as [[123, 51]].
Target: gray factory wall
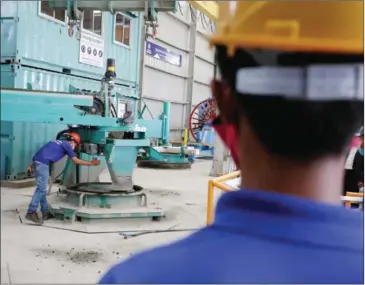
[[203, 64], [178, 67]]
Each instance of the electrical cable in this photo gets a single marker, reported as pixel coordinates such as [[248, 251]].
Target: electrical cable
[[193, 15], [180, 8]]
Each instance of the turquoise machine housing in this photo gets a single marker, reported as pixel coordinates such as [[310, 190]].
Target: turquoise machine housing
[[37, 53], [105, 134], [30, 38]]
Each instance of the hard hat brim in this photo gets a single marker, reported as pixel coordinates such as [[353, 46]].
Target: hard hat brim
[[233, 42]]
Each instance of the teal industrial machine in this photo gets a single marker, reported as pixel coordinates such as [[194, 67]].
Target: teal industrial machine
[[152, 158], [109, 127], [115, 140]]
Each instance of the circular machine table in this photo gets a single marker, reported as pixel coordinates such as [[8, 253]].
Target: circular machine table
[[102, 200], [103, 191], [102, 188]]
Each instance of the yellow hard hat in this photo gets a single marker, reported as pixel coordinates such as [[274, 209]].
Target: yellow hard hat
[[307, 26]]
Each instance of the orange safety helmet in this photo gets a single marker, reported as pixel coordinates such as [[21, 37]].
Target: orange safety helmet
[[74, 137]]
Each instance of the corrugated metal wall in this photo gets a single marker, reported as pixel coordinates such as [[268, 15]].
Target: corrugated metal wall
[[186, 81], [204, 61], [41, 41], [46, 57]]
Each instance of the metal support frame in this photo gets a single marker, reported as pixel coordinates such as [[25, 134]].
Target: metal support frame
[[142, 64], [220, 184], [191, 61]]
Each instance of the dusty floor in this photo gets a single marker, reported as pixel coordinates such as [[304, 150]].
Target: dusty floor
[[35, 254]]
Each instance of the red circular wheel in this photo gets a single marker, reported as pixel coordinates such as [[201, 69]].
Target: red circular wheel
[[202, 113]]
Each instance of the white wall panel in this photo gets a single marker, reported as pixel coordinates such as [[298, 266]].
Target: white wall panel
[[163, 86], [172, 31], [204, 25], [201, 93], [183, 12], [177, 116], [203, 71], [202, 48], [155, 107], [176, 136]]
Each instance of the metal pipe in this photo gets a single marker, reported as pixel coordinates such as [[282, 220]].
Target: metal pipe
[[186, 137], [217, 183], [78, 166], [141, 66], [166, 122], [210, 203], [106, 101], [191, 62]]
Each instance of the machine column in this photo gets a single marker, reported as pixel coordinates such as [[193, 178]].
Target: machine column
[[191, 60], [166, 122]]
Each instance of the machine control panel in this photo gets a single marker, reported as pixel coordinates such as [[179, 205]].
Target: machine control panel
[[90, 148]]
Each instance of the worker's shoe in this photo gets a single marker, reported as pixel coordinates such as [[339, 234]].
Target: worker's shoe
[[47, 216], [34, 218]]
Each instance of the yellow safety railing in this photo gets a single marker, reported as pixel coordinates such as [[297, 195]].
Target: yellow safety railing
[[353, 194], [218, 183]]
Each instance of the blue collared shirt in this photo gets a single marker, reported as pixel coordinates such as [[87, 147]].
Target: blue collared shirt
[[54, 151], [258, 237]]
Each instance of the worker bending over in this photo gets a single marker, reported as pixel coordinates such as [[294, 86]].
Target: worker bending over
[[291, 70], [51, 152]]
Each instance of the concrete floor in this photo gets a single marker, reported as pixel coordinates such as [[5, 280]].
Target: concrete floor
[[39, 254]]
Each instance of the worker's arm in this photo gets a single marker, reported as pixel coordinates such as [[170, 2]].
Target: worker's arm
[[94, 162]]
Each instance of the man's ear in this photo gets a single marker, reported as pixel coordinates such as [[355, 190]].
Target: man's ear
[[226, 101]]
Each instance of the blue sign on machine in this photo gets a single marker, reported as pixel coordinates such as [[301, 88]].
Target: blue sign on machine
[[163, 54]]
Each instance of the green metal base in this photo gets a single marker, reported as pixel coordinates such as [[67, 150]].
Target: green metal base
[[151, 158], [69, 213], [163, 164], [87, 205]]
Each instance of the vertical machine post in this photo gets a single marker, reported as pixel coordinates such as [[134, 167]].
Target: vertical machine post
[[186, 137], [166, 123], [109, 76]]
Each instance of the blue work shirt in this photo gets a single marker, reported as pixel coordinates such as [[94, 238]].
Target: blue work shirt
[[258, 237], [54, 151]]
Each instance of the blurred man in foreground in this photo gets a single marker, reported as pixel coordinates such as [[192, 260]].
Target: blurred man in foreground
[[290, 69]]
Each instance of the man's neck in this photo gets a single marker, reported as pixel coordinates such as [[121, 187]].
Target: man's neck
[[321, 181]]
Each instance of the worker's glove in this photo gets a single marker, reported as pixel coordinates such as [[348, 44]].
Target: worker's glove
[[95, 162], [29, 170]]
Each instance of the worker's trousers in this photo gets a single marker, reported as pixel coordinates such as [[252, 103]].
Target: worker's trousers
[[41, 171]]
